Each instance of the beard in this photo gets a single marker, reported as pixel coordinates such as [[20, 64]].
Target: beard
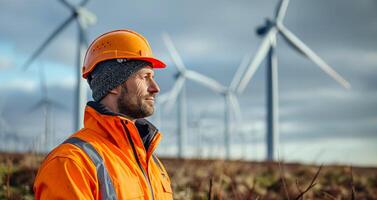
[[133, 105]]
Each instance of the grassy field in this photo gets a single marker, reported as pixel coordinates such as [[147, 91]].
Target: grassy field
[[217, 179]]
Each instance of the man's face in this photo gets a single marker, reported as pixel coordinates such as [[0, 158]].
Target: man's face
[[137, 95]]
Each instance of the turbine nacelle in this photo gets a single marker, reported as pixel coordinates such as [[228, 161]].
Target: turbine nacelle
[[177, 74], [85, 17], [263, 29]]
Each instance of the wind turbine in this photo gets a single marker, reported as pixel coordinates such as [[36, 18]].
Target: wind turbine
[[199, 124], [270, 30], [231, 102], [177, 92], [84, 19], [46, 104]]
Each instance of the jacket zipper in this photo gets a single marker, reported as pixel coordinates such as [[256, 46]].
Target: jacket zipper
[[137, 159]]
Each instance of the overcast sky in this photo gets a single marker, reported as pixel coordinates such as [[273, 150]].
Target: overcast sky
[[319, 120]]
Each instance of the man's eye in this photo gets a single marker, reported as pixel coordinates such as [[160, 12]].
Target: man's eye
[[149, 76]]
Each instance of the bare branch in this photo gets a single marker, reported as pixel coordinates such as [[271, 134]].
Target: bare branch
[[311, 185]]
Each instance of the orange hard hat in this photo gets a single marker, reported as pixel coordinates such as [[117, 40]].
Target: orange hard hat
[[118, 44]]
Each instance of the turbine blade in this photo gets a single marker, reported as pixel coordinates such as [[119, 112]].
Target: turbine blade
[[281, 10], [174, 93], [241, 68], [173, 52], [236, 107], [68, 5], [304, 49], [261, 53], [205, 81], [47, 41]]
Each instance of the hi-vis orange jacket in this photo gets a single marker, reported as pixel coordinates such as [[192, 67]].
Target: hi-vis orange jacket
[[110, 158]]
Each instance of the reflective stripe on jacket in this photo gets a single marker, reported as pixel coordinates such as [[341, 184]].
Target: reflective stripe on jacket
[[126, 150]]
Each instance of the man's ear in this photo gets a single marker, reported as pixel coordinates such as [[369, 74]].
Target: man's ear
[[116, 90]]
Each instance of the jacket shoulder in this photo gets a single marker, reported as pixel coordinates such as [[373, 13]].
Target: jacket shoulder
[[70, 152], [64, 176]]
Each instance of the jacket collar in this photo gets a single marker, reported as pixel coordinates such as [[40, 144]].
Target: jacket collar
[[146, 129]]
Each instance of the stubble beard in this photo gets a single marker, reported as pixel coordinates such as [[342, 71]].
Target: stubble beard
[[133, 106]]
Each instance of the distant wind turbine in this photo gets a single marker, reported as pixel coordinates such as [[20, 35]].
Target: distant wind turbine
[[231, 102], [178, 92], [84, 19], [198, 125], [47, 105], [267, 48]]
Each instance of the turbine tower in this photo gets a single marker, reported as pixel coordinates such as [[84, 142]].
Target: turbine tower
[[84, 19], [267, 48], [231, 102]]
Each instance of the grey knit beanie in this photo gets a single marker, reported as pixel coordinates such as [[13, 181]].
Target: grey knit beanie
[[110, 73]]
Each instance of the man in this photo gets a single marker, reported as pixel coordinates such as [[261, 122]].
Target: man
[[112, 156]]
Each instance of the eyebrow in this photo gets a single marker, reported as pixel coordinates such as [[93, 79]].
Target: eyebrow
[[144, 71]]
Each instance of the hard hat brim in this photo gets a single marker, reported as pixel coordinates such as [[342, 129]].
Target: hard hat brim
[[156, 64]]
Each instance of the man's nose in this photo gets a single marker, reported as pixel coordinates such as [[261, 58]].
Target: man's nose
[[153, 87]]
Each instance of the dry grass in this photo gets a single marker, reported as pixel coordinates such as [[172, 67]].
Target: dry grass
[[217, 179], [239, 180]]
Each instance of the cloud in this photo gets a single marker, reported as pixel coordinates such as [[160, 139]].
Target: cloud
[[359, 60], [6, 52], [65, 83], [20, 85], [212, 38], [5, 62]]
